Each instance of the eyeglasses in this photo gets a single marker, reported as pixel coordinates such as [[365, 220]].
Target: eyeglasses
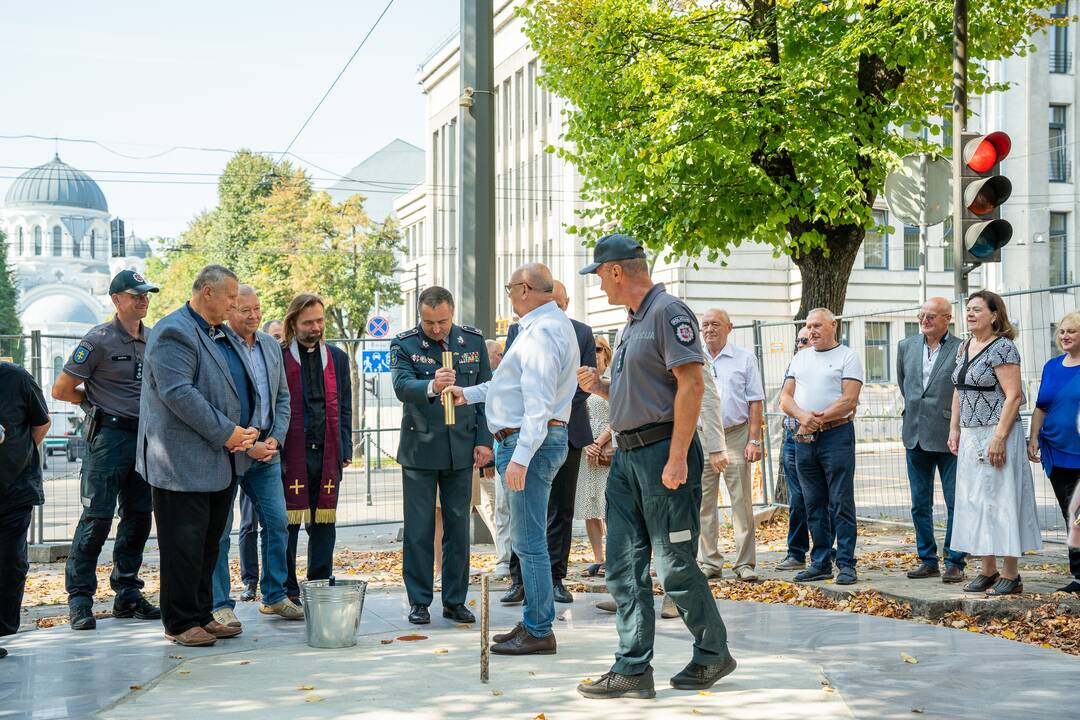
[[510, 288], [930, 317], [802, 341]]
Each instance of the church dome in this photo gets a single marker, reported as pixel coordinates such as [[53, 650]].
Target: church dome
[[56, 183], [51, 309]]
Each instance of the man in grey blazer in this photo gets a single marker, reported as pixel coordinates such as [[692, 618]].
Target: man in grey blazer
[[195, 427], [924, 367], [261, 483]]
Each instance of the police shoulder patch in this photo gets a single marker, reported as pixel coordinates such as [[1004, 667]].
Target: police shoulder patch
[[393, 357], [407, 333], [683, 329], [473, 330], [82, 353]]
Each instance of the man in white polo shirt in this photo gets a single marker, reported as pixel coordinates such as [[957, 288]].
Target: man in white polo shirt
[[820, 392], [736, 374]]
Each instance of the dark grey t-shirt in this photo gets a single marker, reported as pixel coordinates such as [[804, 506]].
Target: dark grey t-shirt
[[661, 335], [109, 362]]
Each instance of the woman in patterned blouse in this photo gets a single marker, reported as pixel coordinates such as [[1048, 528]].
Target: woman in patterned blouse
[[995, 511]]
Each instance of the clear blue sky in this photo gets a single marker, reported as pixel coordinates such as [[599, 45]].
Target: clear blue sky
[[144, 76]]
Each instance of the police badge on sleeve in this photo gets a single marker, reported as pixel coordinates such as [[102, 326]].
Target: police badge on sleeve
[[683, 328]]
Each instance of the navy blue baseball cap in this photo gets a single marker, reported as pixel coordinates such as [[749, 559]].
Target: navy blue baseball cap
[[613, 247], [132, 283]]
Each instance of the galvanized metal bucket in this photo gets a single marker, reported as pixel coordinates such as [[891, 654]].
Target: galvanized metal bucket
[[332, 610]]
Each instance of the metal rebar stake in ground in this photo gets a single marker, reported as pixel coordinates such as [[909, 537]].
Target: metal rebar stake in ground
[[484, 628]]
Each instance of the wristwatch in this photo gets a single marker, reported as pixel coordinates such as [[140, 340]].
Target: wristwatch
[[755, 443]]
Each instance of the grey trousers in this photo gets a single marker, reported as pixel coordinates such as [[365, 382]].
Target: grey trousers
[[737, 478]]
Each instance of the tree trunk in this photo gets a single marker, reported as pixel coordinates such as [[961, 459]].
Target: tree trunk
[[825, 277]]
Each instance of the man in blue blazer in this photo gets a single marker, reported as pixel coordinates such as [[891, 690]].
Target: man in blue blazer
[[560, 514], [196, 412]]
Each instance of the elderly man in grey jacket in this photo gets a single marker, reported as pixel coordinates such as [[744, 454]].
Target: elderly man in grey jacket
[[261, 483], [195, 427]]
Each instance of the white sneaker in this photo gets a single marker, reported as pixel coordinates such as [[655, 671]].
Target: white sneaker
[[284, 608], [745, 572], [227, 617]]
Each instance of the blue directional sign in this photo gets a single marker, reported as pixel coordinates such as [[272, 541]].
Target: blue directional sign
[[378, 326], [376, 361]]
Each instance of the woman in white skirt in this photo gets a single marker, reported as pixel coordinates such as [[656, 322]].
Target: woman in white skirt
[[994, 513], [592, 477]]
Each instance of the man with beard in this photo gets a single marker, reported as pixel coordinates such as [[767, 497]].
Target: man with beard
[[318, 444]]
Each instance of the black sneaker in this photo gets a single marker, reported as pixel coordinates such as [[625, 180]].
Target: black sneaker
[[248, 594], [614, 685], [814, 573], [701, 677], [1073, 587], [514, 596], [140, 609], [3, 653], [561, 594], [81, 617]]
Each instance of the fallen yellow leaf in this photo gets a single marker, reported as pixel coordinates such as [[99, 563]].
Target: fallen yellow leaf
[[828, 689], [704, 692], [306, 687], [540, 717], [185, 672], [245, 662], [472, 603], [1009, 634], [908, 659], [441, 651], [312, 698], [587, 681], [496, 693]]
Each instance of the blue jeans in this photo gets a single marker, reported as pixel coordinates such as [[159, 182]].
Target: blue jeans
[[249, 542], [920, 467], [798, 534], [528, 525], [826, 471], [262, 484]]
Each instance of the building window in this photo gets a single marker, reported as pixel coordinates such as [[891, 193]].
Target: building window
[[57, 241], [1058, 144], [845, 332], [876, 243], [20, 241], [1059, 248], [76, 247], [911, 328], [37, 241], [93, 242], [877, 352], [1060, 57], [912, 254]]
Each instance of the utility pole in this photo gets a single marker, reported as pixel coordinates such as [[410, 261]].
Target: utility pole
[[416, 288], [476, 236], [959, 126]]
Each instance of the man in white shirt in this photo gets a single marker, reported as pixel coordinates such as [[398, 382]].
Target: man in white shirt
[[527, 404], [821, 391], [736, 374]]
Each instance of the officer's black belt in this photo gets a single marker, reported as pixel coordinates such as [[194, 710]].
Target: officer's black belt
[[119, 423], [645, 435]]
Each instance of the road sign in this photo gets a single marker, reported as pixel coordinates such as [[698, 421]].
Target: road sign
[[376, 361], [378, 326], [918, 193]]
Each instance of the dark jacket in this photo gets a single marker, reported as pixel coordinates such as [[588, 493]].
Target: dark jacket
[[927, 412], [579, 430], [427, 443], [344, 398]]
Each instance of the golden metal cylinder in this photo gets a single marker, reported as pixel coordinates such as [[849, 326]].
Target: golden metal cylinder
[[447, 396]]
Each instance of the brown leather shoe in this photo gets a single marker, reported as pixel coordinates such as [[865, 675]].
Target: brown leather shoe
[[525, 643], [925, 570], [503, 637], [222, 631], [952, 574], [192, 637]]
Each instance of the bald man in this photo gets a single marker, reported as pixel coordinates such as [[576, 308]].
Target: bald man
[[924, 368], [560, 513], [821, 391]]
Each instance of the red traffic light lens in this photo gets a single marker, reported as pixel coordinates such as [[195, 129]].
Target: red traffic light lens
[[984, 152]]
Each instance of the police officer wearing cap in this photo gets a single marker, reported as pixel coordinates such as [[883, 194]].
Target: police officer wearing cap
[[436, 456], [104, 376], [654, 486]]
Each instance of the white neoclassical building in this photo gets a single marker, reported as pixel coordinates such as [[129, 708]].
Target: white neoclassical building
[[57, 224]]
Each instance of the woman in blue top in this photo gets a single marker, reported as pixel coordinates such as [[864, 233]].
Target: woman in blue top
[[1055, 440]]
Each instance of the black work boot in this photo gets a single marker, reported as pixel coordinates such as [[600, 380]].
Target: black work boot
[[82, 618], [615, 685]]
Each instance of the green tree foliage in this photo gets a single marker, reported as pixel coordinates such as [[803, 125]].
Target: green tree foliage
[[9, 311], [702, 125], [282, 237]]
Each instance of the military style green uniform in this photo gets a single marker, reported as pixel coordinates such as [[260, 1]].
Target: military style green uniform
[[109, 362], [433, 455], [641, 512]]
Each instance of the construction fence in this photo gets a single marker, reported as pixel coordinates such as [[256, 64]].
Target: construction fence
[[371, 487]]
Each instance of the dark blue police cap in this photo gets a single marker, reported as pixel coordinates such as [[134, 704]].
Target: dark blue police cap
[[613, 247], [131, 282]]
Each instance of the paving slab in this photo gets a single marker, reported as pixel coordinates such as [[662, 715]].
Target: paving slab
[[794, 662]]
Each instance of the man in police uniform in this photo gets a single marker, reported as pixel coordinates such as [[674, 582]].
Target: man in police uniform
[[104, 376], [436, 456], [654, 487]]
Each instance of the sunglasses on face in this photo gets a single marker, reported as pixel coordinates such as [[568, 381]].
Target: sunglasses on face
[[802, 341]]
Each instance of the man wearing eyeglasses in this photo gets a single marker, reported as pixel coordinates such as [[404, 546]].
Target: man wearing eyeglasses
[[742, 411], [104, 376], [924, 368]]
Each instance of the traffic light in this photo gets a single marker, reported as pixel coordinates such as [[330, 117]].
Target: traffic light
[[984, 190], [370, 384]]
